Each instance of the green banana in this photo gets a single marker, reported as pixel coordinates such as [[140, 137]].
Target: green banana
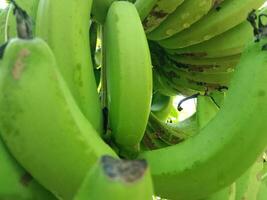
[[100, 9], [216, 75], [40, 121], [206, 110], [128, 75], [10, 27], [74, 60], [173, 133], [218, 97], [182, 18], [154, 12], [151, 141], [16, 183], [115, 179], [214, 23], [3, 16], [162, 87], [231, 42], [214, 158], [262, 193], [229, 61], [187, 84], [247, 186]]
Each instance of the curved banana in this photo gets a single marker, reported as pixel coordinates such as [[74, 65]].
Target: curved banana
[[230, 43], [247, 186], [187, 84], [214, 75], [128, 75], [228, 61], [182, 18], [116, 179], [154, 12], [215, 151], [40, 121], [206, 110], [74, 59], [100, 9], [214, 23], [16, 183]]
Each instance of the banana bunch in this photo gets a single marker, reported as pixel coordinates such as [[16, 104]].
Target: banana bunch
[[88, 91]]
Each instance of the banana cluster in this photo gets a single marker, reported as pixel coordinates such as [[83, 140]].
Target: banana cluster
[[87, 94]]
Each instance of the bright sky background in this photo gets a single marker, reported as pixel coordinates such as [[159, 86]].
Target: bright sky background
[[2, 4]]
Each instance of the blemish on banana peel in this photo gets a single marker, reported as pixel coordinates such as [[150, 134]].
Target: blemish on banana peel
[[157, 13], [123, 170], [78, 75], [26, 179], [19, 63]]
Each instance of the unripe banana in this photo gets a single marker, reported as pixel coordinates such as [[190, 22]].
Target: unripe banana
[[214, 152], [206, 110], [154, 12], [16, 183], [74, 59], [262, 193], [115, 179], [182, 18], [214, 23], [128, 74], [247, 186], [228, 61], [3, 17], [40, 121], [226, 44]]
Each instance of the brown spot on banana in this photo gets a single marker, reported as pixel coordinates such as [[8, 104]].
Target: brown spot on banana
[[19, 64]]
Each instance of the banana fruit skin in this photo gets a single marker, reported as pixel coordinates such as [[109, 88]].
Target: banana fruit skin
[[214, 23], [215, 150], [247, 186], [154, 12], [227, 193], [182, 18], [206, 110], [231, 42], [3, 16], [116, 179], [73, 61], [40, 121], [16, 183], [129, 74], [262, 193], [100, 9]]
